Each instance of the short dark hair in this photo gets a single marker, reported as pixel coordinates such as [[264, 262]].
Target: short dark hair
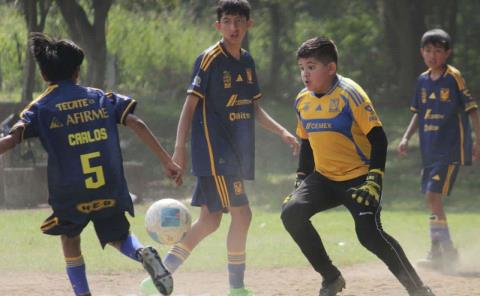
[[436, 37], [320, 48], [233, 7], [57, 59]]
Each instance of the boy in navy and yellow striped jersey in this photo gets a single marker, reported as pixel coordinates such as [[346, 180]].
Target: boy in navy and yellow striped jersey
[[221, 108], [342, 160], [77, 126], [442, 106]]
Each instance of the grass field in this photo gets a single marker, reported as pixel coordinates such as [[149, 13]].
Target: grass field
[[269, 245]]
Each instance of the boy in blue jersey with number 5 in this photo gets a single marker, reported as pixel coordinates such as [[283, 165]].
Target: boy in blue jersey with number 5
[[221, 107], [442, 107], [342, 161], [77, 126]]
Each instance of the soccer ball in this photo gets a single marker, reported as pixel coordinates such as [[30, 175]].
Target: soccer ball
[[167, 221]]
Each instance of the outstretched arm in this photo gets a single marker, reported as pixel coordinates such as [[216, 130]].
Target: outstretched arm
[[411, 130], [145, 134], [10, 141], [271, 125]]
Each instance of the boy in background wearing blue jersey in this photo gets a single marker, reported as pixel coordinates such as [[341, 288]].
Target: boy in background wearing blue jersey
[[442, 106], [221, 107], [77, 126], [342, 162]]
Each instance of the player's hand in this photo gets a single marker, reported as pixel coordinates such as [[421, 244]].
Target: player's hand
[[403, 147], [370, 191], [291, 140], [175, 172], [180, 157]]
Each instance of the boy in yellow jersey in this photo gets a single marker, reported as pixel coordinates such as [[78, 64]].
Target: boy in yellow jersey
[[342, 161], [442, 107]]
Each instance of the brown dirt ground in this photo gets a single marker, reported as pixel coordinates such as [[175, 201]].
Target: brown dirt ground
[[363, 279]]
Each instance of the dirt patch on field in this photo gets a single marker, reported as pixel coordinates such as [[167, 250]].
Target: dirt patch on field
[[364, 279]]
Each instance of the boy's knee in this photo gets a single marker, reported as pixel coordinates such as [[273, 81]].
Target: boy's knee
[[292, 217], [211, 223], [242, 214]]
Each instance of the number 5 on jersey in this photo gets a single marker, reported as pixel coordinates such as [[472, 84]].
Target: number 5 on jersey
[[90, 182]]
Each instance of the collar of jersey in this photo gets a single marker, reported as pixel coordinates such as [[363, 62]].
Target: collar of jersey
[[227, 54]]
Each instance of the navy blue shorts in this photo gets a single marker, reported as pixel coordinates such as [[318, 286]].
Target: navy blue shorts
[[219, 193], [439, 178], [111, 229]]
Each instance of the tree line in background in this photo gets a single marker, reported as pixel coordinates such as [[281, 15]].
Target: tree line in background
[[146, 47]]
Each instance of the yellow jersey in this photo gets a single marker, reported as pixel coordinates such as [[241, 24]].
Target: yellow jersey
[[336, 124]]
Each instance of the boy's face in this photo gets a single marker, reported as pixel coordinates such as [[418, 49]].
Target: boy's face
[[233, 28], [435, 56], [316, 76]]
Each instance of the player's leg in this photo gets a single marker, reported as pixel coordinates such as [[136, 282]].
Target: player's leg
[[437, 182], [207, 196], [70, 238], [115, 230], [236, 246], [372, 236], [313, 195]]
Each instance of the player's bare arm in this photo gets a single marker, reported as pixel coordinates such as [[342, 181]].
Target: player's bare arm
[[267, 122], [10, 141], [172, 170], [476, 129], [411, 130], [184, 124]]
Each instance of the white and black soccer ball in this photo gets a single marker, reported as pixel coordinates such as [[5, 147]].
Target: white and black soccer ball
[[167, 221]]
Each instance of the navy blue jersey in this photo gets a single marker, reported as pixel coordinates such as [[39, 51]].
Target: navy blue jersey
[[444, 128], [77, 126], [223, 126]]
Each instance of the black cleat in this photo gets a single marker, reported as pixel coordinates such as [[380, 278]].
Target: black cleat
[[332, 288], [423, 291], [161, 277]]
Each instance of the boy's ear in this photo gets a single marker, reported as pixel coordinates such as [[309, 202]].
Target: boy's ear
[[249, 23], [332, 68], [217, 25]]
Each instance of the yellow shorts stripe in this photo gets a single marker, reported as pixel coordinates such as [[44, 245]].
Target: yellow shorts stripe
[[446, 185]]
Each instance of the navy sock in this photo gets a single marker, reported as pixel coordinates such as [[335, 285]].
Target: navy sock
[[176, 256], [77, 275], [236, 269], [130, 247]]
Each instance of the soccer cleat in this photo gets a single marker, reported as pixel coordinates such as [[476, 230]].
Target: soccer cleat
[[240, 292], [332, 288], [434, 258], [161, 277], [423, 291]]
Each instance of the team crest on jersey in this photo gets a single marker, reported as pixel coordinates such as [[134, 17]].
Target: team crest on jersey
[[319, 108], [432, 96], [55, 123], [424, 95], [334, 105], [227, 79], [239, 78], [249, 75], [238, 187], [305, 107], [444, 94]]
